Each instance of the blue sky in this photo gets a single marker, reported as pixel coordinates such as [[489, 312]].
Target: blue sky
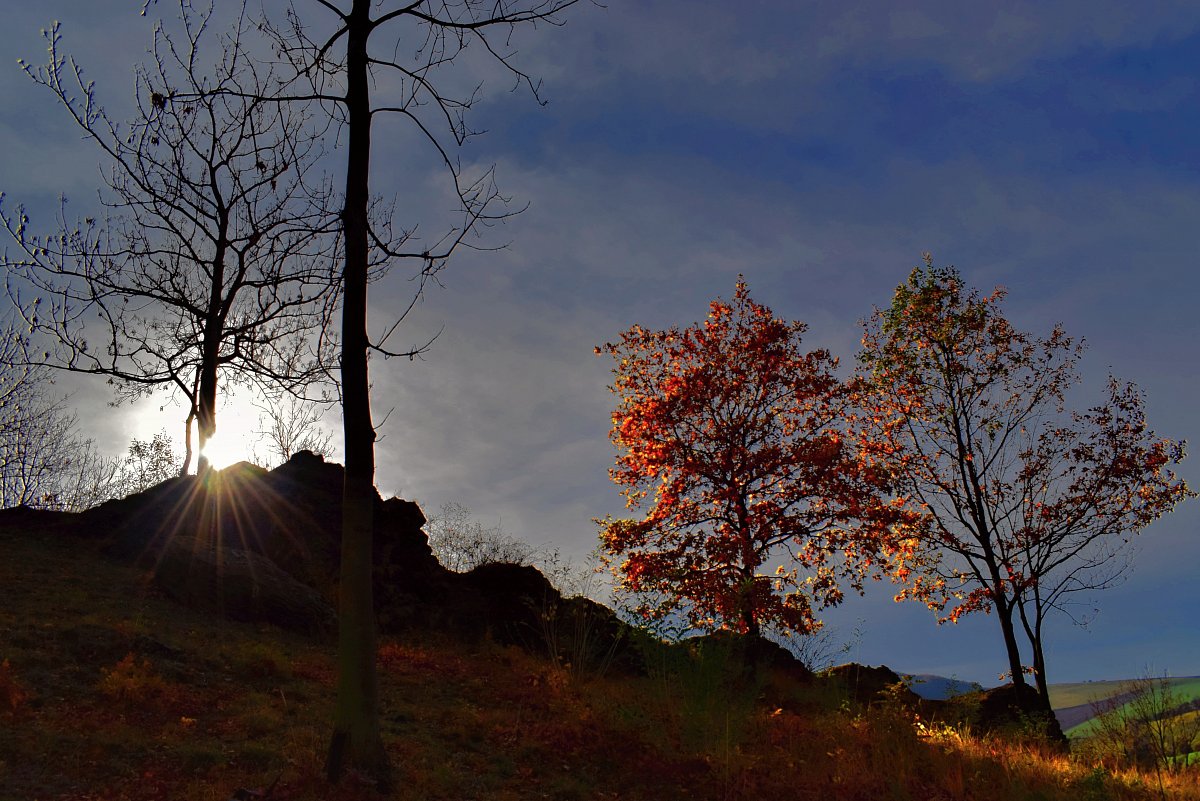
[[818, 148]]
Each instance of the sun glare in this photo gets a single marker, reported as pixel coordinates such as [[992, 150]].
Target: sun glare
[[236, 435], [223, 451]]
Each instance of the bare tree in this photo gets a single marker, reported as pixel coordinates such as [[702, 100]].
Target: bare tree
[[44, 462], [214, 258], [462, 543], [1149, 723], [411, 48], [292, 425], [36, 428]]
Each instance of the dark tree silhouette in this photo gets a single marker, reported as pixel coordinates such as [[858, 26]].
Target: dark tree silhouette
[[213, 260], [37, 431], [44, 462], [410, 47]]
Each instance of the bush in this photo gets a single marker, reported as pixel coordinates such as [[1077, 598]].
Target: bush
[[462, 543]]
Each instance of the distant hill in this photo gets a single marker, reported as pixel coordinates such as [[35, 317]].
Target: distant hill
[[938, 688]]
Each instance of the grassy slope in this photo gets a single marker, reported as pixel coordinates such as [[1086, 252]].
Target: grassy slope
[[112, 692]]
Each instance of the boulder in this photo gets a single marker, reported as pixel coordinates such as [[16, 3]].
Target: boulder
[[873, 685], [265, 545], [513, 603], [242, 585], [1015, 709], [284, 522]]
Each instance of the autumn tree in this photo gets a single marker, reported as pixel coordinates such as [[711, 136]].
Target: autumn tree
[[212, 259], [738, 447], [408, 51], [1026, 504]]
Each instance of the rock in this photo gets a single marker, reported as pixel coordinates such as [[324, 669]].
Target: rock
[[242, 585], [873, 685], [1015, 709], [290, 516], [514, 602], [266, 546], [28, 521]]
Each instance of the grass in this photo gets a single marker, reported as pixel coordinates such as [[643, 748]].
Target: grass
[[109, 691]]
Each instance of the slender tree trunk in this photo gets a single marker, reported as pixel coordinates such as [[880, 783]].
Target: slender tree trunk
[[187, 441], [1033, 631], [750, 561], [206, 400], [1039, 672], [356, 737], [210, 349], [1004, 611]]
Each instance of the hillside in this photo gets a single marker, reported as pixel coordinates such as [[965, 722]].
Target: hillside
[[110, 690]]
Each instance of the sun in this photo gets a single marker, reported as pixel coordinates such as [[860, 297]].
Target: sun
[[226, 448], [237, 432]]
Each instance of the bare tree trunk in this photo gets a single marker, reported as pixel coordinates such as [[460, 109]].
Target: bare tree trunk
[[1033, 631], [206, 405], [1004, 611], [187, 441], [356, 737]]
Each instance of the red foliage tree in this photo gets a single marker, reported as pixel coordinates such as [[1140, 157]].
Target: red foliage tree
[[743, 440], [1026, 504]]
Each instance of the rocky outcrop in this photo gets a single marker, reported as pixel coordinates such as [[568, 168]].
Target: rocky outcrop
[[872, 685], [264, 546], [242, 585], [748, 654], [1017, 709]]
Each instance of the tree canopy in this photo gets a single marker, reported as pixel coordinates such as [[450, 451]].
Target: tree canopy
[[739, 447], [1026, 504]]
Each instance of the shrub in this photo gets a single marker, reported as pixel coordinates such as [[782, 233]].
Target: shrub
[[13, 696], [1148, 724], [134, 680], [462, 543]]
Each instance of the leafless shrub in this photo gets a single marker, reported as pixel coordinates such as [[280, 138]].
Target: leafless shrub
[[461, 543]]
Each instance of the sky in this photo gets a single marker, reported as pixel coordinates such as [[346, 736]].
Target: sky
[[818, 149]]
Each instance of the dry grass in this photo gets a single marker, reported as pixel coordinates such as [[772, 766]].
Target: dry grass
[[108, 691]]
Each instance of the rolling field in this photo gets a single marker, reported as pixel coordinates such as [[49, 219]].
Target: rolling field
[[1073, 702]]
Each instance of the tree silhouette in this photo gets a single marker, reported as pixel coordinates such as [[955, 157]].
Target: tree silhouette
[[415, 47], [213, 261], [745, 442], [37, 432], [1027, 505]]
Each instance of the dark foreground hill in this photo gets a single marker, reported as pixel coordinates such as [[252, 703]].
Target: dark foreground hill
[[111, 688]]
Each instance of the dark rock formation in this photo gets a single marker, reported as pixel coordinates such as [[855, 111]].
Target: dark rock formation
[[873, 685], [1016, 709], [43, 521], [514, 601], [265, 546], [748, 653], [242, 585]]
